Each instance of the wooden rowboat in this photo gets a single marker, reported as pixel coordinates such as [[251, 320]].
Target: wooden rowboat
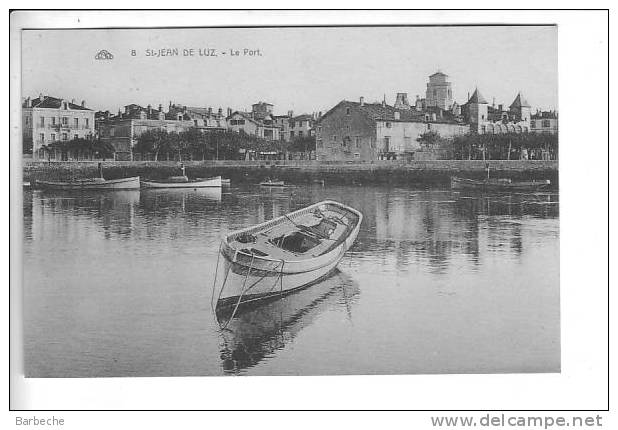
[[269, 183], [186, 183], [91, 184], [284, 254], [498, 184]]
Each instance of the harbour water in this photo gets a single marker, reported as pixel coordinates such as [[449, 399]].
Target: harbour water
[[438, 281]]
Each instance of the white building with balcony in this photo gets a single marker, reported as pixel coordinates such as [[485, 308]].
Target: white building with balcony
[[46, 120]]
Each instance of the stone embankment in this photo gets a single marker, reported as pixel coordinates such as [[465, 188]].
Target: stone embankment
[[379, 172]]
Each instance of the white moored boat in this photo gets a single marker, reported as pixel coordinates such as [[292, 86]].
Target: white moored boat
[[184, 182], [284, 254]]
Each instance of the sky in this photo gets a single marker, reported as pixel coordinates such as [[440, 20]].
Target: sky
[[300, 69]]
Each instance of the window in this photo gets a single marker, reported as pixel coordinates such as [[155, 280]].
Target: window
[[533, 124], [483, 117], [195, 122], [300, 133], [388, 125], [42, 137], [65, 120], [334, 138], [241, 122], [65, 105], [292, 124], [545, 123], [53, 120], [428, 126], [387, 143], [348, 128], [291, 134], [87, 122], [347, 111], [42, 121], [483, 129], [320, 129], [76, 122], [65, 136], [435, 93], [320, 144], [53, 137], [356, 155]]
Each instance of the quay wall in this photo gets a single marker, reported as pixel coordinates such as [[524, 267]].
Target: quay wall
[[377, 172]]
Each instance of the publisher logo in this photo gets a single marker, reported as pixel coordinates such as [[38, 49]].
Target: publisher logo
[[103, 55]]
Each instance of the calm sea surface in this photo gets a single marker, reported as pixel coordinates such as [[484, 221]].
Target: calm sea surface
[[119, 284]]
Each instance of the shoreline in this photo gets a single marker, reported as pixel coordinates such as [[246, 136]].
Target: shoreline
[[294, 171]]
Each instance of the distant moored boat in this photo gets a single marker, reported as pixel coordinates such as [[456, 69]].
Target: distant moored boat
[[91, 184], [498, 184]]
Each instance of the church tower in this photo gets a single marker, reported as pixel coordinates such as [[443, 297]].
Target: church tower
[[520, 109], [439, 92]]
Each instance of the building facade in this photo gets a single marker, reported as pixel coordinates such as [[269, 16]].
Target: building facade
[[260, 122], [486, 119], [47, 120], [544, 122], [359, 131], [123, 129]]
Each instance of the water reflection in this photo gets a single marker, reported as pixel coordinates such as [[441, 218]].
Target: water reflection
[[259, 331], [131, 267]]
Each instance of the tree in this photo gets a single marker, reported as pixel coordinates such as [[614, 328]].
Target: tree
[[430, 139], [154, 142]]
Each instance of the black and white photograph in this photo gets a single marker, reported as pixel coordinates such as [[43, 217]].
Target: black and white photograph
[[290, 200]]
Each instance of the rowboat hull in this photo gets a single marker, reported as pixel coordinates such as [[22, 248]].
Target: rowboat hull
[[203, 183], [498, 185], [107, 184], [273, 184], [248, 277]]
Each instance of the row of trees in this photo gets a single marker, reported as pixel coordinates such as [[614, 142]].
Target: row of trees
[[493, 146], [195, 145], [79, 148]]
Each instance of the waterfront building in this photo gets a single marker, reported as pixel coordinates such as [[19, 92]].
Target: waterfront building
[[439, 92], [204, 119], [545, 122], [47, 119], [123, 129], [260, 122], [361, 131], [486, 119]]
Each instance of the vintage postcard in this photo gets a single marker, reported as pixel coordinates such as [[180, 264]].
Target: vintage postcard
[[290, 201]]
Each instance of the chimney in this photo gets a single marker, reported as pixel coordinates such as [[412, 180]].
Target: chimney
[[160, 107], [72, 101], [362, 101], [402, 101], [320, 114], [220, 111], [290, 113], [149, 109], [28, 102], [397, 116], [41, 97], [500, 107], [493, 102], [83, 103], [468, 95]]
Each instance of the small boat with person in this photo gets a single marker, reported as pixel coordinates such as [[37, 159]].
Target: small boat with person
[[272, 183], [99, 183], [283, 255], [183, 181]]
